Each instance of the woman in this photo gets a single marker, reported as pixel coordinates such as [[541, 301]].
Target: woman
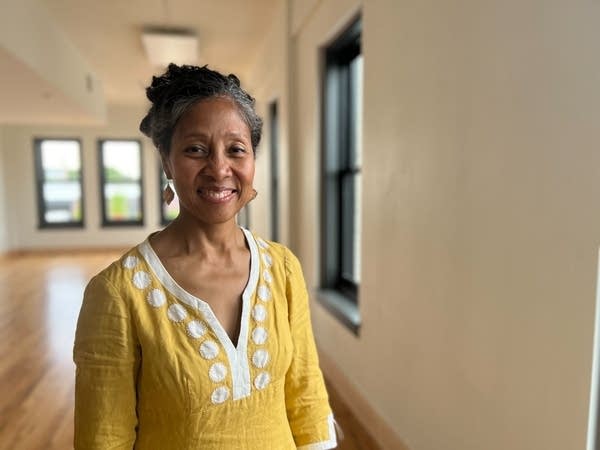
[[200, 337]]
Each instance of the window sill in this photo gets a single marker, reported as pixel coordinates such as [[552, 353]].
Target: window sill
[[125, 223], [341, 307]]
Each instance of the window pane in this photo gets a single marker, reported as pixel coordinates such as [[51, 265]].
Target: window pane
[[60, 182], [121, 161], [62, 201], [356, 240], [60, 160], [349, 238], [122, 201], [122, 189], [356, 90]]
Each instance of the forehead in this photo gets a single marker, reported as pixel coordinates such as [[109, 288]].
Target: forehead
[[213, 114]]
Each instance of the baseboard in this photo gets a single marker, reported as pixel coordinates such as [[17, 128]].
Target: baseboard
[[50, 251], [378, 428]]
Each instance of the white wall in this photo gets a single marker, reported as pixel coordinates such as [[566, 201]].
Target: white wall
[[37, 55], [481, 176], [19, 173]]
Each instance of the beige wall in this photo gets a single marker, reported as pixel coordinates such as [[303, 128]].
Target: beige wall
[[481, 175], [4, 243], [17, 151], [268, 82]]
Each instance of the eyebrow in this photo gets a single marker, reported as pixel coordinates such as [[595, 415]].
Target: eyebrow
[[200, 134]]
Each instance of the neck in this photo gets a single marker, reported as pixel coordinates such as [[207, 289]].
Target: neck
[[188, 236]]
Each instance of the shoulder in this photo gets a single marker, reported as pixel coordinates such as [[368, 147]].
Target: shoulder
[[279, 255], [272, 248], [128, 270]]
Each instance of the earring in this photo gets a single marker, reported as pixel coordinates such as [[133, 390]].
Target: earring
[[168, 195]]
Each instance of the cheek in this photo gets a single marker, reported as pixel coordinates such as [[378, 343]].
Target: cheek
[[250, 171]]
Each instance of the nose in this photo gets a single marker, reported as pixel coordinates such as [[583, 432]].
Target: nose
[[218, 165]]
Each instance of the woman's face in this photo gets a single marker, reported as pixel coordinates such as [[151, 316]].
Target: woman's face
[[211, 161]]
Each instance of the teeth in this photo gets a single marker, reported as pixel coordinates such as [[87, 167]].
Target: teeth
[[216, 195]]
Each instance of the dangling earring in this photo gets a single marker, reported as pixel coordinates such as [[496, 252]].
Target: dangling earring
[[168, 195]]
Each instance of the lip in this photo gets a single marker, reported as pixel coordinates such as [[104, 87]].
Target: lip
[[217, 194]]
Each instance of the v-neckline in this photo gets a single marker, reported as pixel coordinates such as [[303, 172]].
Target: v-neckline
[[200, 305]]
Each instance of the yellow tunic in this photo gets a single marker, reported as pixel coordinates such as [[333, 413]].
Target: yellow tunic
[[156, 370]]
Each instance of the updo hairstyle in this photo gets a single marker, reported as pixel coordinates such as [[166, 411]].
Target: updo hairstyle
[[179, 88]]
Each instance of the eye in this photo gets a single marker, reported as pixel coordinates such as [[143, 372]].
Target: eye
[[196, 150], [237, 150]]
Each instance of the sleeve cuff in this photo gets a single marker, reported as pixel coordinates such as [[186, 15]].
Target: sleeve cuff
[[324, 445]]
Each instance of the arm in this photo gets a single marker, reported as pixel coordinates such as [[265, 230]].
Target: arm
[[107, 357], [307, 403]]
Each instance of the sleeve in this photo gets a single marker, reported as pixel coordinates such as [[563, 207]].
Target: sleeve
[[107, 357], [307, 404]]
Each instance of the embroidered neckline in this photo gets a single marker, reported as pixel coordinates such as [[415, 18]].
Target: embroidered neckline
[[237, 355]]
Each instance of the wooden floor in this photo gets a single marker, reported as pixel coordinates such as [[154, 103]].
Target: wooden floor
[[40, 297]]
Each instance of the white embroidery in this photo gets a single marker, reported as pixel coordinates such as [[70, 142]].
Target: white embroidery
[[141, 279], [196, 329], [259, 336], [264, 293], [267, 259], [176, 312], [267, 276], [260, 358], [238, 356], [259, 313], [130, 262], [262, 243], [262, 380], [156, 298], [219, 395], [209, 349], [217, 372]]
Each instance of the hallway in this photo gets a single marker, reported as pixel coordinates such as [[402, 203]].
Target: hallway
[[434, 166]]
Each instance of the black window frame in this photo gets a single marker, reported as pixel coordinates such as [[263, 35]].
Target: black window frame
[[274, 161], [40, 180], [105, 222], [338, 292]]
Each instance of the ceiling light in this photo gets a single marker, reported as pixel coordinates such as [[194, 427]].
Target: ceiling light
[[170, 45]]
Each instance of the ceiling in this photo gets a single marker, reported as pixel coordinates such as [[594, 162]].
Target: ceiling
[[107, 33]]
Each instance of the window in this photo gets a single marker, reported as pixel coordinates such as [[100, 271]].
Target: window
[[341, 175], [167, 212], [274, 150], [59, 183], [121, 182]]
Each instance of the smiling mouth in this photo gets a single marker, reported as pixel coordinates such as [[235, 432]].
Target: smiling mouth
[[218, 195]]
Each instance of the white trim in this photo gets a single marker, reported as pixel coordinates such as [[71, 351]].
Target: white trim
[[324, 445], [238, 358]]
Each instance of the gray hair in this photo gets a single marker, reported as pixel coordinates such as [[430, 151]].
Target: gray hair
[[180, 87]]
